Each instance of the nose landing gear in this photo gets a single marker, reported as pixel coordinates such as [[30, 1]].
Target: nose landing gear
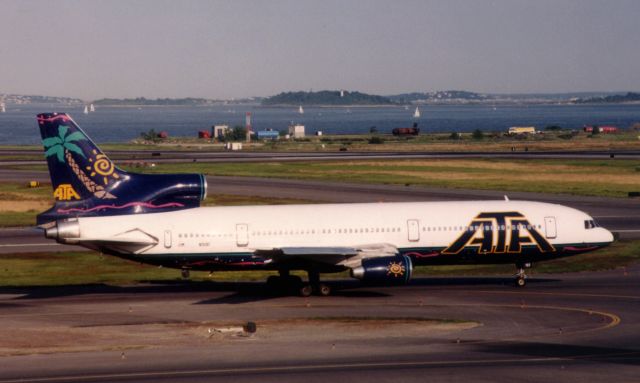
[[521, 276]]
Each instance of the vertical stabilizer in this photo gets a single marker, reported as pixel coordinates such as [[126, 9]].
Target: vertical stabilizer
[[87, 183], [78, 168]]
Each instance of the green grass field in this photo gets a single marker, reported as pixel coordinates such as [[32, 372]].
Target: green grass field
[[605, 177], [608, 177]]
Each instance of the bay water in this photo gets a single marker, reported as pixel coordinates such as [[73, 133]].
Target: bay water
[[121, 124]]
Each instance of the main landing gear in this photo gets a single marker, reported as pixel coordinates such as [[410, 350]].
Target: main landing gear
[[315, 286], [521, 277], [293, 284]]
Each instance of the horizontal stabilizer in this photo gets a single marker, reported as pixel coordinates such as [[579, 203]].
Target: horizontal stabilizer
[[119, 244], [119, 241], [131, 241]]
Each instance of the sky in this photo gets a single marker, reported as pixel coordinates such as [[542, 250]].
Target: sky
[[235, 49]]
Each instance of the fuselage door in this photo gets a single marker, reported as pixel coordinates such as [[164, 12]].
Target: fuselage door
[[413, 230], [550, 227], [242, 234], [167, 239]]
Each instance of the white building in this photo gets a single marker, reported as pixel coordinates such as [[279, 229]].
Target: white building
[[220, 130], [296, 131], [233, 146]]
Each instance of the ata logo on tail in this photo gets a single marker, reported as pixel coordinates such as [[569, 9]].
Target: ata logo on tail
[[498, 233], [65, 192]]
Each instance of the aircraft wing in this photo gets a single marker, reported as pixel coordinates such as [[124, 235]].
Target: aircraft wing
[[339, 256]]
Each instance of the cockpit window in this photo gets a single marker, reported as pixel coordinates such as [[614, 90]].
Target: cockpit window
[[590, 224]]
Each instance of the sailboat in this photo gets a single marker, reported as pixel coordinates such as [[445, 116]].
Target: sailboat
[[3, 107], [300, 110], [416, 114], [92, 108], [86, 110]]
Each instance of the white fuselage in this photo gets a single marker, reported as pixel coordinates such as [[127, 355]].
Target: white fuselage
[[245, 229]]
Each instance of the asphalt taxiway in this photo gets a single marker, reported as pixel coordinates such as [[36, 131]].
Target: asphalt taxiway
[[569, 327]]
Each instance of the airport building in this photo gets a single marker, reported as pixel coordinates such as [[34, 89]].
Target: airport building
[[219, 131], [268, 135], [522, 130], [296, 131], [601, 129]]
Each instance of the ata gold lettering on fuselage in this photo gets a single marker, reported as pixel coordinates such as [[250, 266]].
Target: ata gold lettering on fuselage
[[497, 233], [65, 192]]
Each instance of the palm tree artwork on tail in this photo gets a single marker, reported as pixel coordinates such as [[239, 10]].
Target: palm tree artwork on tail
[[62, 146]]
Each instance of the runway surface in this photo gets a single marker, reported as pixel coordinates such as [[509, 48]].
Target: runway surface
[[570, 328]]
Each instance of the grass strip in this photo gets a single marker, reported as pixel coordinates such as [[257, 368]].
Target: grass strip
[[606, 178]]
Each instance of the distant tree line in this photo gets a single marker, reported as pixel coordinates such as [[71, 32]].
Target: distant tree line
[[153, 102], [326, 97], [616, 98]]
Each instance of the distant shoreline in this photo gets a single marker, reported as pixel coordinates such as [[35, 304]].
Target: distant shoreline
[[361, 106]]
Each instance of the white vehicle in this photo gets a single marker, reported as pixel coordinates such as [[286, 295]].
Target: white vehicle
[[155, 219]]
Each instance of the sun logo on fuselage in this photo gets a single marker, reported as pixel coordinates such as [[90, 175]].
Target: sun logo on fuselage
[[499, 233], [396, 269]]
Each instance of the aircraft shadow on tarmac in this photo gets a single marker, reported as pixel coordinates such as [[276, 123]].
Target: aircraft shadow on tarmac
[[243, 292], [564, 351]]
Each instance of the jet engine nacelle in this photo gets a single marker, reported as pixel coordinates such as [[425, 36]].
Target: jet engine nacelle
[[394, 270], [187, 189]]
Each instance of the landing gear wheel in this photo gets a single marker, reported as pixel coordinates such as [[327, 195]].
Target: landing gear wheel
[[324, 290], [306, 290], [521, 276]]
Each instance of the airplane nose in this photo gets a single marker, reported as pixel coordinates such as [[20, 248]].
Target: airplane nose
[[607, 236]]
